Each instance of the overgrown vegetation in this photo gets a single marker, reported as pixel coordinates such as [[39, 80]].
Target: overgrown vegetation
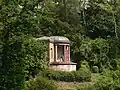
[[93, 27], [40, 83], [35, 53], [74, 76]]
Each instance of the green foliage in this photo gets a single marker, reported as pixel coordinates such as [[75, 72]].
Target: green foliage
[[109, 80], [84, 66], [20, 58], [12, 62], [34, 56], [98, 52], [105, 82], [95, 69], [95, 52], [40, 83], [78, 76], [92, 27]]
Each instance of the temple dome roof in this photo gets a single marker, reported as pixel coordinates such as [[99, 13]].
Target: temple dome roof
[[60, 39]]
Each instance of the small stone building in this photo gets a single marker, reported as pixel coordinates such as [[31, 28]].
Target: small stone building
[[59, 53]]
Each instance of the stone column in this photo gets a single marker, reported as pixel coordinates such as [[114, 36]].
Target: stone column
[[69, 53], [55, 52], [64, 53]]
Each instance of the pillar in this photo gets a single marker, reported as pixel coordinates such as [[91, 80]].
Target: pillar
[[55, 52], [64, 53], [69, 53]]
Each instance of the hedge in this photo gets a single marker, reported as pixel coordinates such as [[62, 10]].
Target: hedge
[[78, 76], [40, 83]]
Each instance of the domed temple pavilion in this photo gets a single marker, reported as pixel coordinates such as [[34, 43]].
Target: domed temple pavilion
[[59, 53]]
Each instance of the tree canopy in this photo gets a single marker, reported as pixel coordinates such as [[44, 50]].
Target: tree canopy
[[93, 26]]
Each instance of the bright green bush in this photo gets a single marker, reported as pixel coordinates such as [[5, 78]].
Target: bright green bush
[[40, 83], [78, 76]]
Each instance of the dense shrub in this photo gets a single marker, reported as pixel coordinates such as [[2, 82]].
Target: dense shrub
[[19, 57], [78, 76], [34, 56], [98, 52], [40, 83], [109, 80], [105, 81], [12, 76]]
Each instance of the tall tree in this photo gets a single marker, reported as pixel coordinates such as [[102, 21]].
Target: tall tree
[[17, 19]]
